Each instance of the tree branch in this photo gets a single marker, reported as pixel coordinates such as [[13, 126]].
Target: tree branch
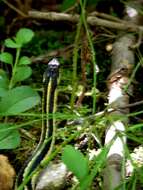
[[92, 20], [14, 8]]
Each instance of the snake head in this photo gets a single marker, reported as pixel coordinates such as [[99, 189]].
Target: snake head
[[52, 70]]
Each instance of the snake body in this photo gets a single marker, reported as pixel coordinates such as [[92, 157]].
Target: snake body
[[44, 146]]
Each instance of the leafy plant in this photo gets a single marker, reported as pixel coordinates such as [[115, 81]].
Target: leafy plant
[[9, 138], [77, 163], [72, 157], [15, 99]]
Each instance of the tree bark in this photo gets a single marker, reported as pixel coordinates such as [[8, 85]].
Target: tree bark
[[122, 64]]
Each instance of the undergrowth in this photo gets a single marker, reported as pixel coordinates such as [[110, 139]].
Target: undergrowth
[[75, 121]]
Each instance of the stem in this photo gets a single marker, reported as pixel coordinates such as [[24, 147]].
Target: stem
[[93, 55], [11, 83], [75, 57]]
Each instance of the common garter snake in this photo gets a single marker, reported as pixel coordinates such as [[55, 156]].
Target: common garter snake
[[45, 144]]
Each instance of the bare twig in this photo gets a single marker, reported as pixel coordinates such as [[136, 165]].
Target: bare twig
[[132, 104], [109, 110], [92, 20], [105, 16], [15, 9], [54, 16]]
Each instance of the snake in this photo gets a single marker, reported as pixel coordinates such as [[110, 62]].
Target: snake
[[47, 137]]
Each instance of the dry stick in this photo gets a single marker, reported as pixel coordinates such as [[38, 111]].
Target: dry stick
[[92, 20], [109, 110], [14, 8], [114, 172], [132, 104], [106, 16]]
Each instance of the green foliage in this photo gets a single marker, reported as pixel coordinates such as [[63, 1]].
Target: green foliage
[[11, 43], [72, 157], [140, 172], [24, 36], [15, 99], [18, 100], [22, 73], [24, 60], [45, 41], [98, 164], [79, 165], [20, 70], [3, 83], [6, 57], [9, 138], [67, 4]]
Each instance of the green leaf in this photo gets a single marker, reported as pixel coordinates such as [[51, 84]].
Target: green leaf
[[98, 164], [24, 35], [6, 57], [75, 161], [4, 82], [9, 138], [11, 43], [67, 4], [22, 73], [24, 60], [18, 100], [140, 173], [3, 92]]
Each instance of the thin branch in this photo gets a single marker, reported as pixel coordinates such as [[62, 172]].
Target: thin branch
[[110, 110], [14, 8], [92, 20], [105, 16], [132, 104], [54, 16]]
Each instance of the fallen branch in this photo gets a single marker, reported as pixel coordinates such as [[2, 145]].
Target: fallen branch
[[123, 60], [92, 20], [105, 16]]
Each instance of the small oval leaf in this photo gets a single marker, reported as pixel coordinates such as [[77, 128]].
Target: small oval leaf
[[24, 35], [24, 60], [11, 44], [18, 100], [22, 73], [6, 57]]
